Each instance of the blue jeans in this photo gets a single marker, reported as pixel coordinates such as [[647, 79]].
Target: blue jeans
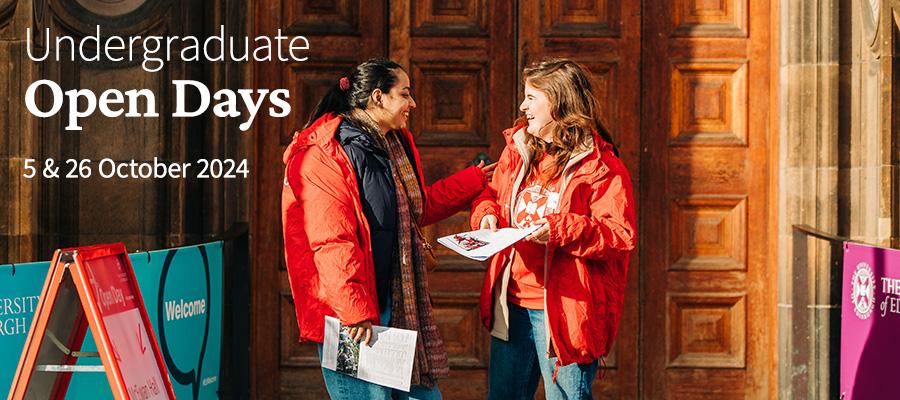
[[517, 364], [346, 387]]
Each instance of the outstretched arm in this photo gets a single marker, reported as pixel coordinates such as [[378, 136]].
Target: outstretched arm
[[454, 193]]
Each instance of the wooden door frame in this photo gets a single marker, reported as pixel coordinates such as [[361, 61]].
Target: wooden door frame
[[772, 160]]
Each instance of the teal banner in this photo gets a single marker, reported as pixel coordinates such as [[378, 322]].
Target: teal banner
[[182, 290]]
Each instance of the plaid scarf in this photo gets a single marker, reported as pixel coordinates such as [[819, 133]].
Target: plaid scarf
[[411, 303]]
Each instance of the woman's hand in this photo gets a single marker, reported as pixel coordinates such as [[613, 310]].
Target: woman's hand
[[489, 221], [542, 234], [362, 330], [487, 169]]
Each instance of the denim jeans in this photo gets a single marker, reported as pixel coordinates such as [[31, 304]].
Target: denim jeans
[[517, 364], [346, 387]]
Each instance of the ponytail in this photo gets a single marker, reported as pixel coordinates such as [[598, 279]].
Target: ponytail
[[335, 101]]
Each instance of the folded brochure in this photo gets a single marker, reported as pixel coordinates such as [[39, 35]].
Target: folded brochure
[[482, 244], [387, 361]]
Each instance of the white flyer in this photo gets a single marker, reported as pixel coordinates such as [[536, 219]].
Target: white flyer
[[387, 362], [481, 244]]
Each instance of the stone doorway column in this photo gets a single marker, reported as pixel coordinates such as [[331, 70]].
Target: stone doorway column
[[837, 173], [18, 139]]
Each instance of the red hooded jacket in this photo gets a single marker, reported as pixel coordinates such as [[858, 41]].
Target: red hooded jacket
[[591, 235], [326, 236]]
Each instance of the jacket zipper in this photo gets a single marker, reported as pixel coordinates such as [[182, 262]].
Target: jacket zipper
[[526, 159], [562, 187]]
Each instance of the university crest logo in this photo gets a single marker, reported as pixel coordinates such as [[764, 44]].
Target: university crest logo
[[863, 292]]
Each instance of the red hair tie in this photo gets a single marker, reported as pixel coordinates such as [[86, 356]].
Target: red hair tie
[[344, 83]]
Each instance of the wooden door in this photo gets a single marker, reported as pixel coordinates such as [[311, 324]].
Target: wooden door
[[604, 36], [708, 303]]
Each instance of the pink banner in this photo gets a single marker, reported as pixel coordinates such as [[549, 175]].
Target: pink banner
[[870, 323]]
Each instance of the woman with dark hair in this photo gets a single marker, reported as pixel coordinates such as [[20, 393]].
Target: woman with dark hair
[[353, 201], [553, 301]]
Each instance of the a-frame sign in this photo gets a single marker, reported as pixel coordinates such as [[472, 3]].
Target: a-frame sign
[[91, 286]]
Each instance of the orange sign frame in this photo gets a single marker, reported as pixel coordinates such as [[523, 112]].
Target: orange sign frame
[[68, 305]]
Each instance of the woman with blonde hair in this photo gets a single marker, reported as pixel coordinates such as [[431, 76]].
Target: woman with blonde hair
[[554, 300]]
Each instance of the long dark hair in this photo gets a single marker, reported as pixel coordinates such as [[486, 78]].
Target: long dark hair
[[574, 108], [375, 73]]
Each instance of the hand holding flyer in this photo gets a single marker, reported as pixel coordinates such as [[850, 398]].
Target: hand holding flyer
[[387, 361], [482, 244]]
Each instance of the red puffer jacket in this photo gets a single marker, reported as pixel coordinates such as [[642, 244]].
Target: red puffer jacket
[[591, 235], [326, 236]]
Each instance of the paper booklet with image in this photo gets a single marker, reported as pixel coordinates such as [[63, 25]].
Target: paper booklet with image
[[387, 361], [482, 244]]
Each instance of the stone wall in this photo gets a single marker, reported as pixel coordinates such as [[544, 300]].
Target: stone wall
[[18, 195], [837, 154]]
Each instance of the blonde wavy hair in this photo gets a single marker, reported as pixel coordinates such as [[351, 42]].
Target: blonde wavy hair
[[574, 109]]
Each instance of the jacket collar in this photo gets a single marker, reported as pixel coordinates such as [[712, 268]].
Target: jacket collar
[[347, 133], [320, 133], [591, 157]]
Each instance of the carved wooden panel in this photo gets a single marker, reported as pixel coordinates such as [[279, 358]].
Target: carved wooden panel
[[704, 384], [709, 104], [604, 80], [321, 17], [592, 18], [709, 233], [465, 339], [452, 96], [709, 170], [449, 18], [293, 352], [706, 330], [307, 83], [707, 18]]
